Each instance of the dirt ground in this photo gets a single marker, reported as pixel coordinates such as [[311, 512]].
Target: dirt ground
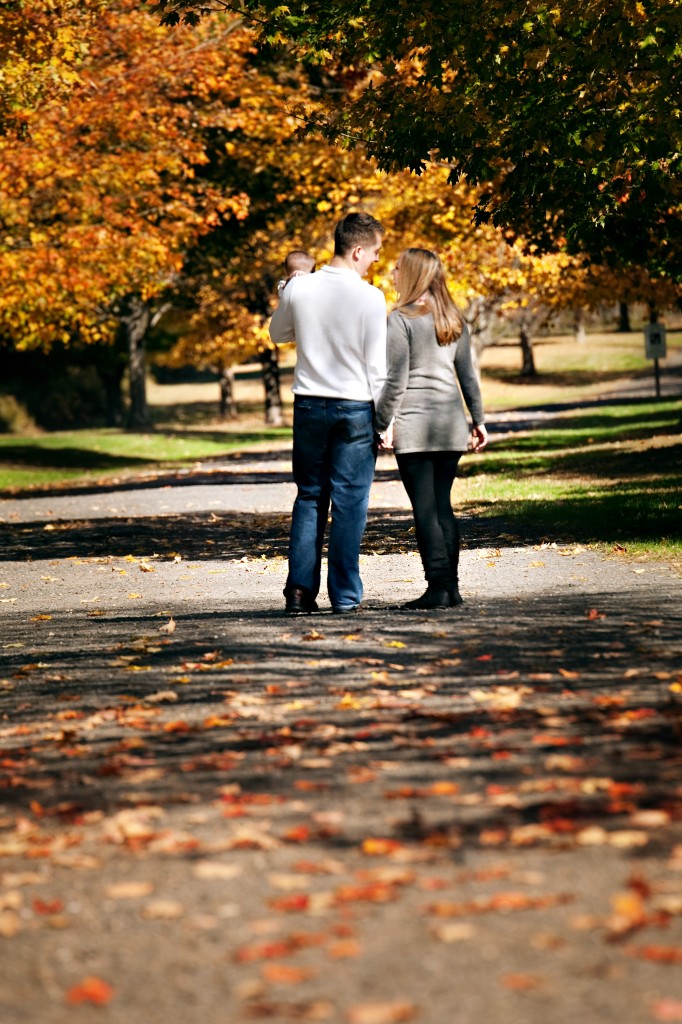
[[214, 812]]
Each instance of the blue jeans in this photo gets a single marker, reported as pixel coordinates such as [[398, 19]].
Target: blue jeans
[[333, 462]]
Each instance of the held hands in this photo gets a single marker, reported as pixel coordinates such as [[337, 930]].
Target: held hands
[[479, 438], [386, 439]]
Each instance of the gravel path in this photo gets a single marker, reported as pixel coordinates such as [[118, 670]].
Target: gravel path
[[213, 812]]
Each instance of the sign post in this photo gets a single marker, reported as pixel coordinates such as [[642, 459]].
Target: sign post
[[655, 348]]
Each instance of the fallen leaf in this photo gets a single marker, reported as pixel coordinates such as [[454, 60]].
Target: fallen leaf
[[285, 974], [313, 635], [216, 869], [129, 890], [344, 948], [521, 982], [164, 910], [657, 954], [455, 931], [90, 990], [10, 923], [391, 1012], [667, 1010], [168, 627]]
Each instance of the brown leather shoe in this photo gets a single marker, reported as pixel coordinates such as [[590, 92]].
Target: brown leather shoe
[[299, 601]]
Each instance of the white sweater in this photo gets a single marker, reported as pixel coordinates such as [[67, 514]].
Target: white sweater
[[338, 322]]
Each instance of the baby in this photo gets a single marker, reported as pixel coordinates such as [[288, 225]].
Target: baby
[[296, 264]]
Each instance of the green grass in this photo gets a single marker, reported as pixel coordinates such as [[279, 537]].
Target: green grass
[[612, 476], [83, 455]]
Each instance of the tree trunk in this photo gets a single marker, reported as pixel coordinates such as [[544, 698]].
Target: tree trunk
[[136, 322], [579, 326], [653, 312], [271, 383], [528, 365], [624, 318], [112, 380], [227, 410]]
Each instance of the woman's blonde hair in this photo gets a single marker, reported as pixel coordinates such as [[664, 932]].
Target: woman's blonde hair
[[422, 277]]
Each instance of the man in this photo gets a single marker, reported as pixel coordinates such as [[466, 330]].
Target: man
[[338, 322]]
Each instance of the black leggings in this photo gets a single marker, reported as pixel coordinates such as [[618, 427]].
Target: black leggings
[[428, 478]]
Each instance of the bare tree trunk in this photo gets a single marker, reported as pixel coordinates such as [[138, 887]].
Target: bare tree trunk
[[528, 365], [653, 312], [579, 326], [136, 321], [227, 410], [271, 383], [624, 318]]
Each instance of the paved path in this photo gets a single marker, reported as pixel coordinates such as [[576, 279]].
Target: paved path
[[467, 816]]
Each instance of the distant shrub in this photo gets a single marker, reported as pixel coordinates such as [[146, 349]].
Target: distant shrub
[[15, 417]]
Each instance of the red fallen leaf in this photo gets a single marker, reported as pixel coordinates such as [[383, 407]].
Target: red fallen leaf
[[592, 613], [90, 990], [175, 727], [495, 789], [543, 739], [485, 657], [48, 906], [311, 787], [262, 951], [479, 732], [291, 903], [298, 834], [285, 974], [376, 892], [658, 954], [667, 1009], [502, 901], [521, 982], [234, 812]]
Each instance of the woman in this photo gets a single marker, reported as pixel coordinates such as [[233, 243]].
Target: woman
[[421, 415]]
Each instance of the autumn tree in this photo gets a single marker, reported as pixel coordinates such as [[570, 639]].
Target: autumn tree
[[102, 149], [567, 114]]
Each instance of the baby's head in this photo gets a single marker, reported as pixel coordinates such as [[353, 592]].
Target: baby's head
[[299, 262]]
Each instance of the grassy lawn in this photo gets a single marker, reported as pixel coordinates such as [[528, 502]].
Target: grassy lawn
[[607, 476], [69, 456]]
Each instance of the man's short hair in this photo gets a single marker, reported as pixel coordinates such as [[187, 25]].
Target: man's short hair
[[355, 229]]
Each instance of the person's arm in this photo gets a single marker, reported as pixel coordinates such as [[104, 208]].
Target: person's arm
[[282, 323], [374, 327], [398, 349], [471, 390]]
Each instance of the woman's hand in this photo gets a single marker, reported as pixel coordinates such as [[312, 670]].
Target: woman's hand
[[479, 438], [386, 439]]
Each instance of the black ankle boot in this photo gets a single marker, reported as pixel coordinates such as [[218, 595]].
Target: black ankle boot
[[455, 597], [433, 597]]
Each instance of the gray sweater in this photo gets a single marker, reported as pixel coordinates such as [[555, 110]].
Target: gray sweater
[[421, 388]]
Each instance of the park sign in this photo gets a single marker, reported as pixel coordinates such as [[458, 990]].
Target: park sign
[[654, 339]]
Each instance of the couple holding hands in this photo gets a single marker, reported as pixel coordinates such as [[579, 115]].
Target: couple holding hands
[[363, 382]]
